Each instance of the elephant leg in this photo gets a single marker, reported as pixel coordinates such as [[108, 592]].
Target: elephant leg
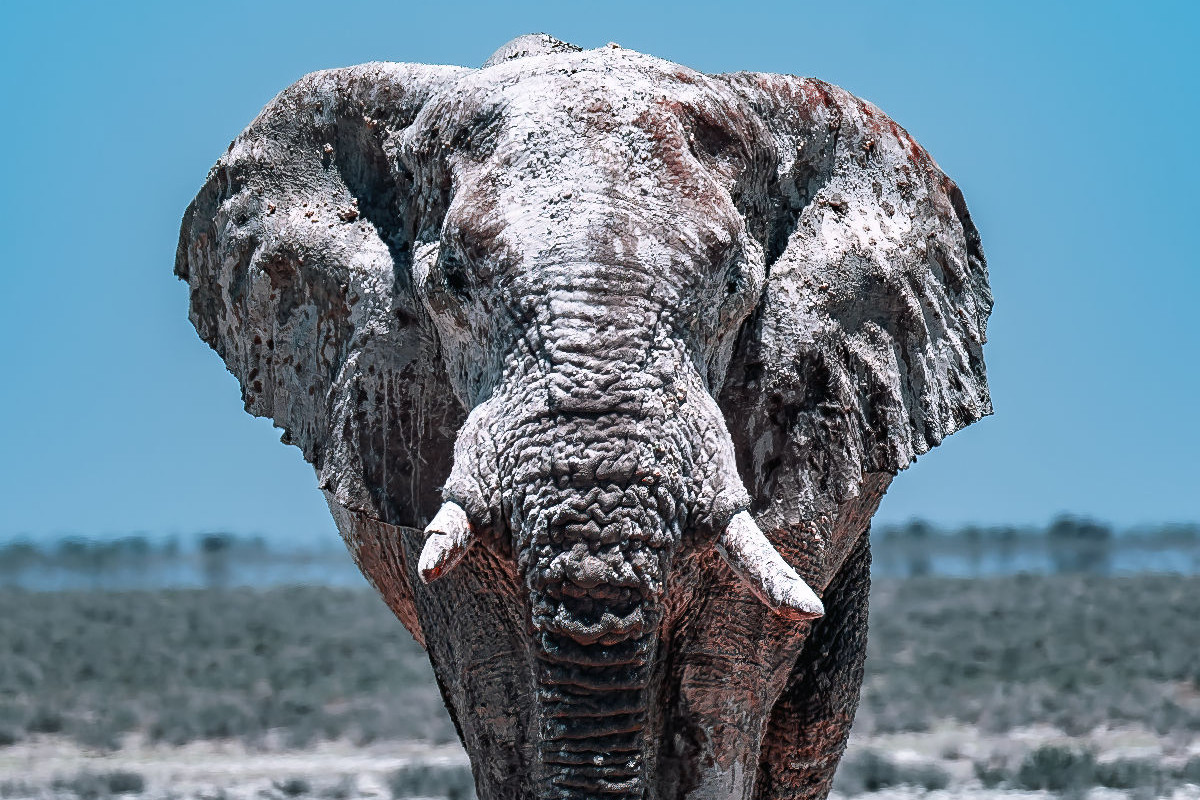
[[810, 723]]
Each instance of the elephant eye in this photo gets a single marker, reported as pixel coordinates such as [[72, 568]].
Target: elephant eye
[[454, 274], [734, 279]]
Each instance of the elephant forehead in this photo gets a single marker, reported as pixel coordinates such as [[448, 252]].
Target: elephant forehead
[[607, 147], [625, 124], [598, 107], [620, 83]]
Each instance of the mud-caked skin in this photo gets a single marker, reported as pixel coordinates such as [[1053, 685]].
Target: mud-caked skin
[[596, 307]]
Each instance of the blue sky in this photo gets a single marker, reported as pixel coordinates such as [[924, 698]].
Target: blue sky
[[1070, 128]]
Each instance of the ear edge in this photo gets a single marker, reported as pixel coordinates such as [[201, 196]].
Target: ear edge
[[794, 110], [315, 102]]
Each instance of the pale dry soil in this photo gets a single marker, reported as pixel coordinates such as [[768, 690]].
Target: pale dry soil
[[49, 766], [215, 769]]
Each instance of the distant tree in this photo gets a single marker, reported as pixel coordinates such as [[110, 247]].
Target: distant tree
[[137, 546], [915, 537], [18, 555], [1176, 533], [1079, 545], [973, 539], [1006, 533], [73, 549], [215, 542], [917, 529], [214, 554]]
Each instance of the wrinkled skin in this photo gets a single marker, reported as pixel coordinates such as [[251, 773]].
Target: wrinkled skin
[[593, 306]]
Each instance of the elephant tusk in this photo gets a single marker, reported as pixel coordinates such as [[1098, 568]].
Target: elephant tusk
[[449, 538], [759, 564]]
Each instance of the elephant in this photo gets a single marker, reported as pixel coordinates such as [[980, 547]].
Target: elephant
[[604, 366]]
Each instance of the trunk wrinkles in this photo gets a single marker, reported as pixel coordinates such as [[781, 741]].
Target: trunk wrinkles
[[600, 454], [595, 534]]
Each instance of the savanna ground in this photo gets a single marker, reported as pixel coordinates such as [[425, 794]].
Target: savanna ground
[[1000, 687]]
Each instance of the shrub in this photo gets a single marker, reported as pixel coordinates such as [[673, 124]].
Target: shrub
[[870, 771], [45, 720], [865, 771], [992, 773], [294, 787], [16, 788], [93, 785], [927, 775], [121, 781], [1058, 768], [96, 734], [1190, 772], [426, 780], [10, 734], [1129, 773], [344, 789]]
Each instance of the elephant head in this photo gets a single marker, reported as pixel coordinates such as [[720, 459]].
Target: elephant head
[[604, 366]]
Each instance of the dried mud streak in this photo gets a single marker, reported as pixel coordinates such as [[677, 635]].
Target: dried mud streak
[[810, 724]]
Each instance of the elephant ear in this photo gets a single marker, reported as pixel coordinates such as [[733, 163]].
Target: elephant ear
[[297, 252], [867, 347]]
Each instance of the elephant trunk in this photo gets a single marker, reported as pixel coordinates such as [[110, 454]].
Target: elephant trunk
[[596, 592], [598, 508], [600, 468], [592, 716]]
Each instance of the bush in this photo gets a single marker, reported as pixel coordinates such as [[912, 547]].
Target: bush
[[1057, 768], [870, 771], [1128, 773], [926, 775], [121, 782], [1190, 772], [865, 771], [45, 720], [423, 780], [993, 773], [1071, 771], [10, 734], [294, 787], [97, 735], [344, 789], [93, 785], [17, 788]]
